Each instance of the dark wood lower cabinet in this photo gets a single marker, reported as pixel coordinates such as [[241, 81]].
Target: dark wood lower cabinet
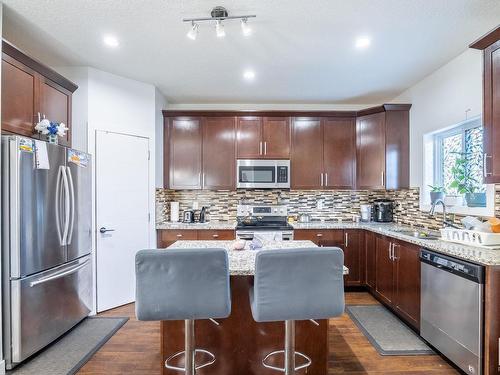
[[407, 282], [384, 284], [354, 257], [166, 237]]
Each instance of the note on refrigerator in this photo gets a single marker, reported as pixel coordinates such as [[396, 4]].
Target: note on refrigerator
[[41, 155]]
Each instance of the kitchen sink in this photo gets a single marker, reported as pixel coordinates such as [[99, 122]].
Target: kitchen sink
[[423, 235]]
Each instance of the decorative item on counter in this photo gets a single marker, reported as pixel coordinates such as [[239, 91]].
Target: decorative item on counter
[[437, 192], [238, 245], [495, 224], [366, 212], [51, 129], [291, 219], [256, 244]]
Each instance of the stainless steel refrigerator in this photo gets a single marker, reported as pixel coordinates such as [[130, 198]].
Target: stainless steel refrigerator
[[46, 243]]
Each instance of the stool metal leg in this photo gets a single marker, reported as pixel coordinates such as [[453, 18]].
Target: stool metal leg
[[189, 347], [289, 347], [289, 353]]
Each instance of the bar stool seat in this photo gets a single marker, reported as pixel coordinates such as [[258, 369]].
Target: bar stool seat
[[296, 284], [183, 284]]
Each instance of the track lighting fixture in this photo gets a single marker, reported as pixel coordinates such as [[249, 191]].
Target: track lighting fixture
[[218, 14]]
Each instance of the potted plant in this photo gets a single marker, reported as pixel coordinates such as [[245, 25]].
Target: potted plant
[[437, 192], [465, 183]]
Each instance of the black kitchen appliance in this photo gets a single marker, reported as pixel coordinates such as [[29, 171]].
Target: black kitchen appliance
[[188, 216], [383, 210], [203, 215]]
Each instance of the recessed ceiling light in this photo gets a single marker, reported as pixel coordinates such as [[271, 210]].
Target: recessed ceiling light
[[111, 41], [362, 42], [249, 75]]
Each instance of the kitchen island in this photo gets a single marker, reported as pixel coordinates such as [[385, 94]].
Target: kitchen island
[[238, 342]]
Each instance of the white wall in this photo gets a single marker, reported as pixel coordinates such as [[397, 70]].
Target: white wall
[[269, 107], [441, 100], [160, 104]]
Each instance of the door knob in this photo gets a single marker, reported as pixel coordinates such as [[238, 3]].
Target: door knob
[[104, 230]]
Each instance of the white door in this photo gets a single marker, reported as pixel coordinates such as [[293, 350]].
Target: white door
[[122, 214]]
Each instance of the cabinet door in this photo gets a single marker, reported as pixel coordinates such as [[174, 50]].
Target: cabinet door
[[353, 256], [492, 113], [219, 153], [249, 138], [307, 154], [384, 285], [397, 158], [407, 282], [339, 150], [19, 84], [370, 256], [276, 137], [370, 162], [55, 105], [185, 153]]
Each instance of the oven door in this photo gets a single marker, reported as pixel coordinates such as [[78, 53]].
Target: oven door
[[263, 174]]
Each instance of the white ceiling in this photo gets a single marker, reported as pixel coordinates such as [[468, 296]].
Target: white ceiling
[[301, 51]]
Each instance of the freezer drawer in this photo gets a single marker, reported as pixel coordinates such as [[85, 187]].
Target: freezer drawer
[[46, 305]]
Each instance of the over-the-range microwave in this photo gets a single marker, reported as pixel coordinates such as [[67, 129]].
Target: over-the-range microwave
[[263, 174]]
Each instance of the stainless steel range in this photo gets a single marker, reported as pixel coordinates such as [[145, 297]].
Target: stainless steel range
[[263, 219]]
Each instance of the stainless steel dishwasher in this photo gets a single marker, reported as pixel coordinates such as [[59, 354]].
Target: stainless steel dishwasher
[[451, 316]]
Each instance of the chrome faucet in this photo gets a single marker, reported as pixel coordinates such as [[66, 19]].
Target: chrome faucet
[[446, 223]]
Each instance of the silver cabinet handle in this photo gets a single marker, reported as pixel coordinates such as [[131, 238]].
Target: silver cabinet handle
[[179, 235], [59, 274], [383, 178], [203, 180], [485, 168], [199, 179], [346, 240], [105, 230], [319, 234], [321, 179], [215, 235], [314, 322], [326, 179], [260, 148], [390, 250], [265, 148]]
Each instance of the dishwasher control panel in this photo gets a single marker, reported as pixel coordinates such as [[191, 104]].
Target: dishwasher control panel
[[465, 269]]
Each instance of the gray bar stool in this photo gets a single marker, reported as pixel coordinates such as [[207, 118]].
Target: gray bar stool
[[297, 284], [183, 284]]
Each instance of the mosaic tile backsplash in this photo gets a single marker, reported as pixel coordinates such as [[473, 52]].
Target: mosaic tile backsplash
[[334, 204]]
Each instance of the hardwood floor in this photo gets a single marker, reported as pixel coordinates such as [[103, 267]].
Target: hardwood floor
[[135, 349]]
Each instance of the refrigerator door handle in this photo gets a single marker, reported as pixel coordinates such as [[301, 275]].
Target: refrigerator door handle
[[59, 274], [66, 207], [72, 197], [58, 201]]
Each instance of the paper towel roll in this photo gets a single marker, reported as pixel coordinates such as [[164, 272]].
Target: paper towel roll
[[174, 211]]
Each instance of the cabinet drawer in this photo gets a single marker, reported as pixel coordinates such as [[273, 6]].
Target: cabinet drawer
[[209, 234], [171, 235], [331, 235]]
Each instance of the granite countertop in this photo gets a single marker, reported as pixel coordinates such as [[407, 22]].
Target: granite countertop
[[242, 262], [214, 225], [471, 253]]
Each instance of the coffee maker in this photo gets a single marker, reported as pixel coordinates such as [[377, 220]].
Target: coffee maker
[[383, 210]]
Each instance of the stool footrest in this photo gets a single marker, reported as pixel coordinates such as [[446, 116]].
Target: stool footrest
[[282, 369], [176, 368]]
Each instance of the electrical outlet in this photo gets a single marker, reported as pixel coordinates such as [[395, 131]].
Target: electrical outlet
[[319, 204]]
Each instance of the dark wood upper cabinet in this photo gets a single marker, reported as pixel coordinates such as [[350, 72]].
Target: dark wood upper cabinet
[[307, 153], [55, 104], [370, 133], [249, 138], [263, 138], [491, 111], [219, 134], [383, 148], [339, 153], [31, 90], [19, 84], [407, 281], [185, 153], [276, 137]]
